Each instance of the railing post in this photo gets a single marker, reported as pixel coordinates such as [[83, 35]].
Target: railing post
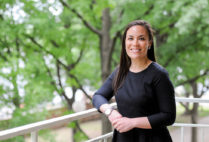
[[182, 134], [202, 134], [34, 136]]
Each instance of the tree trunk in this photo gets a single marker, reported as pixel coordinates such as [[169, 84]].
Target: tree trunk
[[187, 110], [106, 126], [106, 47], [194, 115], [105, 44], [70, 104], [106, 53]]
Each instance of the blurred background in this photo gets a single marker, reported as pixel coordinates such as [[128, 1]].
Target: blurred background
[[54, 54]]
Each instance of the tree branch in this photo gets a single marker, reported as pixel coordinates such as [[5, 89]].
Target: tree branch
[[3, 57], [50, 75], [79, 128], [5, 43], [60, 83], [146, 13], [79, 84], [185, 106], [194, 78], [92, 3], [149, 10], [203, 92], [54, 83], [1, 17], [113, 42], [180, 49], [54, 43], [40, 46], [88, 25], [117, 35], [17, 43], [71, 66], [173, 56]]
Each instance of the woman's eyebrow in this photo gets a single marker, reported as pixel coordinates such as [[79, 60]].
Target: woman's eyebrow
[[137, 36]]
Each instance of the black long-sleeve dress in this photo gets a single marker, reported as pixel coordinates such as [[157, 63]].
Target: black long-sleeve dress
[[148, 93]]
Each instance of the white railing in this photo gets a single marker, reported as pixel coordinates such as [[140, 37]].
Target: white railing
[[182, 125], [33, 128]]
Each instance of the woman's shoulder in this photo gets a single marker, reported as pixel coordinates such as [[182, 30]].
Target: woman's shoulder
[[158, 69], [114, 72]]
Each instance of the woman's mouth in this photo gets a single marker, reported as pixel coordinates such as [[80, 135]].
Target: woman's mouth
[[135, 50]]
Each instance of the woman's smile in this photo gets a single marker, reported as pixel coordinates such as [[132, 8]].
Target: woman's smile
[[135, 50]]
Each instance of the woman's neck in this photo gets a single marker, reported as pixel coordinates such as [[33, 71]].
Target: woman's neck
[[139, 65]]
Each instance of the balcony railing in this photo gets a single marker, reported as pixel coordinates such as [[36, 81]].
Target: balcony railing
[[33, 128]]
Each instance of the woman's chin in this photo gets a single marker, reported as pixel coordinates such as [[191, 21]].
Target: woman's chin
[[135, 57]]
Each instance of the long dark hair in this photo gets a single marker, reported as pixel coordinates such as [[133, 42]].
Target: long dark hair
[[125, 61]]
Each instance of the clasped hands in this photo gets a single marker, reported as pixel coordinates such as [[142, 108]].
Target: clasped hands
[[120, 123]]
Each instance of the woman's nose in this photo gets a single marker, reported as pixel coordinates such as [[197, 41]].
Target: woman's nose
[[135, 42]]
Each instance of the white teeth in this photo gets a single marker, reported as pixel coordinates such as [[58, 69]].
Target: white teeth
[[135, 50]]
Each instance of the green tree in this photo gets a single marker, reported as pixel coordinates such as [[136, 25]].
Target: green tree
[[71, 40]]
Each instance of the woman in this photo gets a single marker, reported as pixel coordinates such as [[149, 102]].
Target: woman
[[142, 89]]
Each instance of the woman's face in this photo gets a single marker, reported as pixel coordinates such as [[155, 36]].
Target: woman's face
[[137, 42]]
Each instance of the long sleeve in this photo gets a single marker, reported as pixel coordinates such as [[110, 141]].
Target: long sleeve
[[164, 93], [105, 93]]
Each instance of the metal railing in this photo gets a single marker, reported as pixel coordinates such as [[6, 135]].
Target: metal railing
[[33, 128], [182, 125]]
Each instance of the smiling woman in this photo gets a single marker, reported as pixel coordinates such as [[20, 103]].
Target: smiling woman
[[142, 89]]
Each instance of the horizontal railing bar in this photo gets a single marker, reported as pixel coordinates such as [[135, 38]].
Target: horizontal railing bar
[[175, 125], [189, 125], [191, 100], [25, 129], [5, 134], [100, 137]]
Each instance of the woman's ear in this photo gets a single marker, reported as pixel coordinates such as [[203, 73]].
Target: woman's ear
[[150, 43]]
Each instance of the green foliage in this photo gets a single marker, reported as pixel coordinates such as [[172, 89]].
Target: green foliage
[[15, 139], [72, 125], [42, 39], [26, 116], [80, 137], [47, 135]]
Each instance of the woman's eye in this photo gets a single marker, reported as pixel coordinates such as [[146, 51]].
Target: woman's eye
[[141, 38], [130, 38]]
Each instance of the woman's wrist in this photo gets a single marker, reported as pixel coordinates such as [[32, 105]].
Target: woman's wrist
[[104, 107], [141, 122], [108, 111]]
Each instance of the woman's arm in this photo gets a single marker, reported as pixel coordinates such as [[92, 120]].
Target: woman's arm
[[104, 93], [165, 99]]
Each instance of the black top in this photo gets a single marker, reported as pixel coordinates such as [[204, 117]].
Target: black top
[[147, 93]]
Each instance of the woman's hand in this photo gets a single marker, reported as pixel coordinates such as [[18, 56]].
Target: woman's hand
[[123, 124], [114, 115]]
